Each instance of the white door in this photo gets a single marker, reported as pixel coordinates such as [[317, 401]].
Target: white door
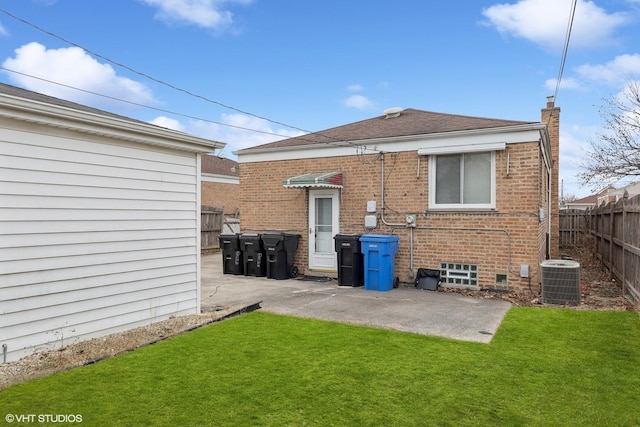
[[324, 211]]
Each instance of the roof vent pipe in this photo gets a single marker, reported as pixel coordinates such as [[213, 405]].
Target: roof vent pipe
[[392, 112]]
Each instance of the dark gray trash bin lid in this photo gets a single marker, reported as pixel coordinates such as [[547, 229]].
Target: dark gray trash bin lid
[[428, 279]]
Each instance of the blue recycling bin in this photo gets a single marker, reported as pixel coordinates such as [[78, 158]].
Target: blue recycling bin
[[379, 252]]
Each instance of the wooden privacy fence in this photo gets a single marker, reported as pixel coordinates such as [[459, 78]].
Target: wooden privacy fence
[[211, 222], [615, 229], [573, 228]]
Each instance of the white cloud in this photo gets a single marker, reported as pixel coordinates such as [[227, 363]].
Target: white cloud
[[209, 14], [168, 123], [355, 88], [358, 101], [615, 72], [544, 22], [240, 132], [574, 141], [75, 68], [566, 83], [3, 30]]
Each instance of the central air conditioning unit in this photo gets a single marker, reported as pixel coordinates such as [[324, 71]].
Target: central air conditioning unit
[[560, 282]]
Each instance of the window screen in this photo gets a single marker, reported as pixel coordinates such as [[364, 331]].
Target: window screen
[[463, 179]]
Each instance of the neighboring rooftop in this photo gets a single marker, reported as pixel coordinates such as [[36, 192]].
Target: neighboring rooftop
[[406, 122], [592, 199], [219, 166]]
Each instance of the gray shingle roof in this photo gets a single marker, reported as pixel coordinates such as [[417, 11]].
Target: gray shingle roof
[[219, 166], [409, 122], [46, 99]]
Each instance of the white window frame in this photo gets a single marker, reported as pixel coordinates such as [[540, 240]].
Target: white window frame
[[460, 206]]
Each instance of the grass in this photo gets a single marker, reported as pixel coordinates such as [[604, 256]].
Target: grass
[[545, 367]]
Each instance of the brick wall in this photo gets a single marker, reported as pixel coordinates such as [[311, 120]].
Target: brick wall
[[551, 116], [221, 195], [498, 241]]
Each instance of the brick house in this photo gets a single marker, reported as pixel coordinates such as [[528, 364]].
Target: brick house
[[464, 194], [220, 182]]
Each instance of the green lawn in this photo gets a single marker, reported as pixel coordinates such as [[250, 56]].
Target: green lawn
[[545, 367]]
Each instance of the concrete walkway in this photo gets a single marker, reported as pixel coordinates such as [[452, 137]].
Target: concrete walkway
[[406, 309]]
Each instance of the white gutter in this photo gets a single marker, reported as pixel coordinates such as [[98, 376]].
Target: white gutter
[[509, 135], [111, 126], [219, 179]]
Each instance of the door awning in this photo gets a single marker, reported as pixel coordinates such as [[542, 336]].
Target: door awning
[[314, 179]]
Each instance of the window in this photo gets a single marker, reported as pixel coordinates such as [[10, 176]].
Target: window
[[459, 274], [465, 180]]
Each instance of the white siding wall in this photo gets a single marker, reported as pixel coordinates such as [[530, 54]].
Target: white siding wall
[[96, 236]]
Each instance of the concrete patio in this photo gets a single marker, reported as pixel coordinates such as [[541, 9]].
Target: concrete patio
[[405, 308]]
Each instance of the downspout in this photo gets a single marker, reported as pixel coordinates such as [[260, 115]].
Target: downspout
[[550, 178], [549, 192]]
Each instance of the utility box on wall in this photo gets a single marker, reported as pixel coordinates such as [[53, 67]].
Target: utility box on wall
[[370, 221]]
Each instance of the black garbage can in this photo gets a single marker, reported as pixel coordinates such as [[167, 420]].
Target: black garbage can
[[350, 260], [279, 249], [231, 254], [253, 257]]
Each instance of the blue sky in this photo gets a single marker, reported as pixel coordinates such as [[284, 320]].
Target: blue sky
[[289, 66]]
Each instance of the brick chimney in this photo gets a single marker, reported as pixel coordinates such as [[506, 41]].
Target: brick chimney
[[551, 117]]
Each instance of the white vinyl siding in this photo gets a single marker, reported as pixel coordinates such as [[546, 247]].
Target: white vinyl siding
[[97, 236]]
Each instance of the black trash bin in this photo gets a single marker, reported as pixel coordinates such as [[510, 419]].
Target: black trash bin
[[280, 248], [350, 260], [231, 254], [428, 279], [253, 257]]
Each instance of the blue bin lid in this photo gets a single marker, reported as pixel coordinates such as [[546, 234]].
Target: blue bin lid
[[379, 238]]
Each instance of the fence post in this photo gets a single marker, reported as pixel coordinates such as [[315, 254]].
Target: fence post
[[612, 224], [624, 240]]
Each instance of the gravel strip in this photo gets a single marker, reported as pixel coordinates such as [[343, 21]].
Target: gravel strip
[[45, 363]]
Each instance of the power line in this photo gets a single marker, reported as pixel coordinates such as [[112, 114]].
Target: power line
[[565, 49], [147, 76], [141, 105], [299, 137]]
